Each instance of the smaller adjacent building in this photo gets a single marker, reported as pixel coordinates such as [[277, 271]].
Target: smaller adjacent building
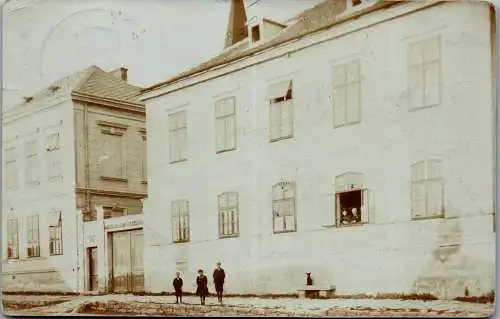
[[75, 173]]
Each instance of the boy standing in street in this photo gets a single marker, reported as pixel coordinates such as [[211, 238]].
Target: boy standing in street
[[219, 277], [178, 287]]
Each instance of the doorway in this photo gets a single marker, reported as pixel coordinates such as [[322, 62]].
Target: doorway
[[127, 257], [93, 281]]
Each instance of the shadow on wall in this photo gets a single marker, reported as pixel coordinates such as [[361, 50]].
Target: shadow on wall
[[47, 281], [450, 272]]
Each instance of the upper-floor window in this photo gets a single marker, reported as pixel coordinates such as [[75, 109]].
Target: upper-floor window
[[177, 125], [53, 155], [114, 212], [31, 161], [280, 96], [113, 161], [346, 94], [180, 221], [11, 176], [427, 189], [33, 236], [144, 156], [225, 125], [12, 239], [284, 213], [55, 233], [424, 67], [228, 214]]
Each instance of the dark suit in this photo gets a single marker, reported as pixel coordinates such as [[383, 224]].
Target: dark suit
[[219, 278]]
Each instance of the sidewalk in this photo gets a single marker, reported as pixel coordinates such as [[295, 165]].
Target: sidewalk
[[151, 305]]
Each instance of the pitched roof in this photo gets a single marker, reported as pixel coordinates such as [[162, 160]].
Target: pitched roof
[[322, 16], [92, 81]]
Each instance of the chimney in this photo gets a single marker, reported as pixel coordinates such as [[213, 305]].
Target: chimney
[[236, 26], [121, 73]]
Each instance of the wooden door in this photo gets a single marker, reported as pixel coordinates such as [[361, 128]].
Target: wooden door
[[92, 267], [121, 261], [137, 261]]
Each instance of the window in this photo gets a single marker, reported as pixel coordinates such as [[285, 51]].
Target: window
[[31, 162], [113, 212], [178, 136], [424, 73], [53, 156], [12, 239], [255, 33], [33, 240], [280, 97], [351, 198], [113, 163], [180, 221], [284, 214], [11, 168], [346, 94], [427, 189], [55, 233], [228, 214], [144, 158], [225, 125]]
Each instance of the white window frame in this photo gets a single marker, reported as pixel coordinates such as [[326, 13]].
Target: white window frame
[[32, 170], [33, 236], [53, 155], [12, 176], [346, 97], [12, 238], [113, 133], [228, 203], [424, 175], [225, 125], [283, 207], [424, 60], [55, 234], [181, 231], [281, 111], [177, 126]]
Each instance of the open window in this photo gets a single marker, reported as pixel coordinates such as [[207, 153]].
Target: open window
[[352, 199], [255, 30], [281, 116]]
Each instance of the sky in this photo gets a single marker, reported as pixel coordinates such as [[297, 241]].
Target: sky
[[44, 40]]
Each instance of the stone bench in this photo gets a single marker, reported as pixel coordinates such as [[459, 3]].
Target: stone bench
[[315, 291]]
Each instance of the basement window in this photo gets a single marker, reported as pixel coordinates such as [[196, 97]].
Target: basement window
[[255, 33]]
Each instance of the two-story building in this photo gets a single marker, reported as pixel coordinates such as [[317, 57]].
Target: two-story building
[[75, 176], [354, 141]]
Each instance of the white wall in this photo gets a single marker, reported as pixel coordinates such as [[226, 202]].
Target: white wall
[[392, 253], [46, 272]]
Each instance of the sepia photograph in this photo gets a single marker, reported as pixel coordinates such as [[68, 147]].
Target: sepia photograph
[[249, 158]]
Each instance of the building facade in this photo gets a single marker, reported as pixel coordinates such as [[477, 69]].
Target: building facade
[[72, 150], [359, 149]]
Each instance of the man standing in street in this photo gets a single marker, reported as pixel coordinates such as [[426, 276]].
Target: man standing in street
[[219, 277]]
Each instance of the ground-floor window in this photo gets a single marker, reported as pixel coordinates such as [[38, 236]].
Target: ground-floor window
[[351, 199], [351, 204], [55, 234]]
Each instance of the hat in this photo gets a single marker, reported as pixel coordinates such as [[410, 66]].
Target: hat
[[219, 263]]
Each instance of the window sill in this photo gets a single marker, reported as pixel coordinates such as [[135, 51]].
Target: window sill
[[423, 107], [346, 124], [284, 232], [351, 225], [273, 140], [181, 241], [59, 254], [114, 179], [229, 236], [178, 161], [428, 217], [225, 150], [329, 226]]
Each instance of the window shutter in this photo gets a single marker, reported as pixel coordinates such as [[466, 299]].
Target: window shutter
[[327, 208], [339, 103], [368, 209], [290, 222], [435, 192], [353, 103], [432, 83], [431, 49], [274, 120], [220, 134], [418, 190], [230, 132], [278, 224], [416, 86], [287, 118], [352, 72], [182, 144]]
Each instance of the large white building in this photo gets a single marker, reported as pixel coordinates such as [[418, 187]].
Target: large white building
[[354, 142]]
